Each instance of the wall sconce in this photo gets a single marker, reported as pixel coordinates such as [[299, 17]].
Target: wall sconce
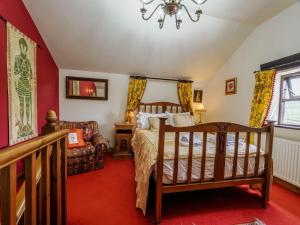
[[199, 109]]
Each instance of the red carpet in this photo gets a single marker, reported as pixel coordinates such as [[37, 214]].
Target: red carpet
[[107, 197]]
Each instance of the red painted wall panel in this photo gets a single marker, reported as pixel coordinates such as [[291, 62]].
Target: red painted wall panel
[[3, 88], [47, 72]]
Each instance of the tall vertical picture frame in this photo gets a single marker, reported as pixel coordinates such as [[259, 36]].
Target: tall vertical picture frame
[[22, 90], [198, 95]]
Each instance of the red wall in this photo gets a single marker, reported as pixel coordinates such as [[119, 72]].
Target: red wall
[[47, 72]]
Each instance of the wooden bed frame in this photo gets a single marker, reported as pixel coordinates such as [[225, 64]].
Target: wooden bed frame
[[218, 181]]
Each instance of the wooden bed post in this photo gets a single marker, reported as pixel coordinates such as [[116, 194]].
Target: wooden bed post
[[160, 160], [268, 166]]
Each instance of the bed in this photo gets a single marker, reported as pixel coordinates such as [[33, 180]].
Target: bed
[[203, 156]]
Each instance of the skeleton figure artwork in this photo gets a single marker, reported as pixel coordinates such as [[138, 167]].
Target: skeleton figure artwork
[[21, 85]]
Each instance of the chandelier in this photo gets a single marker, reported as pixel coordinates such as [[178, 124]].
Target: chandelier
[[171, 8]]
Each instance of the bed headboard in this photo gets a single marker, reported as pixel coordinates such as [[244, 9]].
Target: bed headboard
[[159, 107]]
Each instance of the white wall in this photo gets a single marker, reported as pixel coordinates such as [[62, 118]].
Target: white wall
[[106, 113], [278, 37]]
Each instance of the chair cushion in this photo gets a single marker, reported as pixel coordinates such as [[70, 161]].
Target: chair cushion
[[88, 149], [81, 155]]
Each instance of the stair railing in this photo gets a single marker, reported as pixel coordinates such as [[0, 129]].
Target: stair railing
[[41, 196]]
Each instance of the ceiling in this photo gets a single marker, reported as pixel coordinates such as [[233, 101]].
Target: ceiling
[[110, 35]]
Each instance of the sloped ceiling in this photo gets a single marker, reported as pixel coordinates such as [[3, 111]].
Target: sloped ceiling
[[110, 35]]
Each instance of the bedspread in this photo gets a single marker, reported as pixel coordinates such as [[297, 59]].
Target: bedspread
[[145, 148]]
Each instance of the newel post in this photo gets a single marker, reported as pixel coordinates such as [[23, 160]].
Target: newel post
[[58, 173], [51, 125]]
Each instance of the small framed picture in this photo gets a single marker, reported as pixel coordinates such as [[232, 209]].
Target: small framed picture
[[231, 86], [198, 96]]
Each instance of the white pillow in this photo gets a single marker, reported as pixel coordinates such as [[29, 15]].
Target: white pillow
[[143, 119], [183, 120], [154, 123], [170, 116]]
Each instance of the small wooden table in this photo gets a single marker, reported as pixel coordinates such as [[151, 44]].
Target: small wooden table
[[124, 132]]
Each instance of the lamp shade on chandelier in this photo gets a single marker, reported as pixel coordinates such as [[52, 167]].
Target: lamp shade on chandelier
[[171, 8]]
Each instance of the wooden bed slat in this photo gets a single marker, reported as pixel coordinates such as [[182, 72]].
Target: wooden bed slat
[[203, 158], [190, 160], [235, 158], [156, 106], [257, 154], [175, 174], [220, 156], [247, 155]]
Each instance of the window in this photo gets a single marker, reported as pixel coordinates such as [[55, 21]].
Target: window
[[285, 105], [289, 103]]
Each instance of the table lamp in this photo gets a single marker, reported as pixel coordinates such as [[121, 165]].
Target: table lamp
[[130, 115], [199, 109]]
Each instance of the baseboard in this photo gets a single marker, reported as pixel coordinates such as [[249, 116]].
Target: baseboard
[[287, 185]]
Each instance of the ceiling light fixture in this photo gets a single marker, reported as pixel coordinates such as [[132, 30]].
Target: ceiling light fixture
[[171, 8]]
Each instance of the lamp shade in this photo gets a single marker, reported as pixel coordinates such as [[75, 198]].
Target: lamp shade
[[130, 114], [199, 107]]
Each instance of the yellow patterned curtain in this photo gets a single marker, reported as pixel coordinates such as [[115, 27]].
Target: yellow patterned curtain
[[185, 95], [136, 90], [262, 97]]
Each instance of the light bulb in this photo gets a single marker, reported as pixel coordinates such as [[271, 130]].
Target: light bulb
[[161, 13], [179, 13]]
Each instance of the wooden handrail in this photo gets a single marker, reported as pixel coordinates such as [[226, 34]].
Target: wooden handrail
[[17, 152], [41, 198]]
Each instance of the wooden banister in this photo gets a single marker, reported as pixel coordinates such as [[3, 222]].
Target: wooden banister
[[17, 152], [45, 179]]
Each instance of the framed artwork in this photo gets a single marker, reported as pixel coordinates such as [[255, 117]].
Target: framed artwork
[[86, 88], [22, 90], [231, 86], [198, 94]]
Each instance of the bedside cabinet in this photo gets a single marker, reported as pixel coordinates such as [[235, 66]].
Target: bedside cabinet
[[124, 132]]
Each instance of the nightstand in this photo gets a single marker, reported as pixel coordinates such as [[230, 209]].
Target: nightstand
[[124, 132]]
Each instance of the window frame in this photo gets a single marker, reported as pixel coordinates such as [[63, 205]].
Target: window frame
[[282, 101]]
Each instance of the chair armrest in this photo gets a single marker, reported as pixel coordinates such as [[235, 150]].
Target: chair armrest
[[100, 142]]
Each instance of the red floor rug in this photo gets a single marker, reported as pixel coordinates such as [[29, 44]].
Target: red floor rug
[[107, 197]]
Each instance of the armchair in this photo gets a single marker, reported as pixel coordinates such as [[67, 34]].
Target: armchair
[[89, 157]]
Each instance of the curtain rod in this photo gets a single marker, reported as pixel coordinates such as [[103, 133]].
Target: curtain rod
[[162, 79], [283, 63], [261, 70], [271, 68], [281, 66], [5, 20]]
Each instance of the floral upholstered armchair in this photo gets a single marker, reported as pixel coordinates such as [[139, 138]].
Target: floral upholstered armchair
[[90, 156]]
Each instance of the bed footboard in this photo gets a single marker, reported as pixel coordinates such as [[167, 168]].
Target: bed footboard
[[219, 180]]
